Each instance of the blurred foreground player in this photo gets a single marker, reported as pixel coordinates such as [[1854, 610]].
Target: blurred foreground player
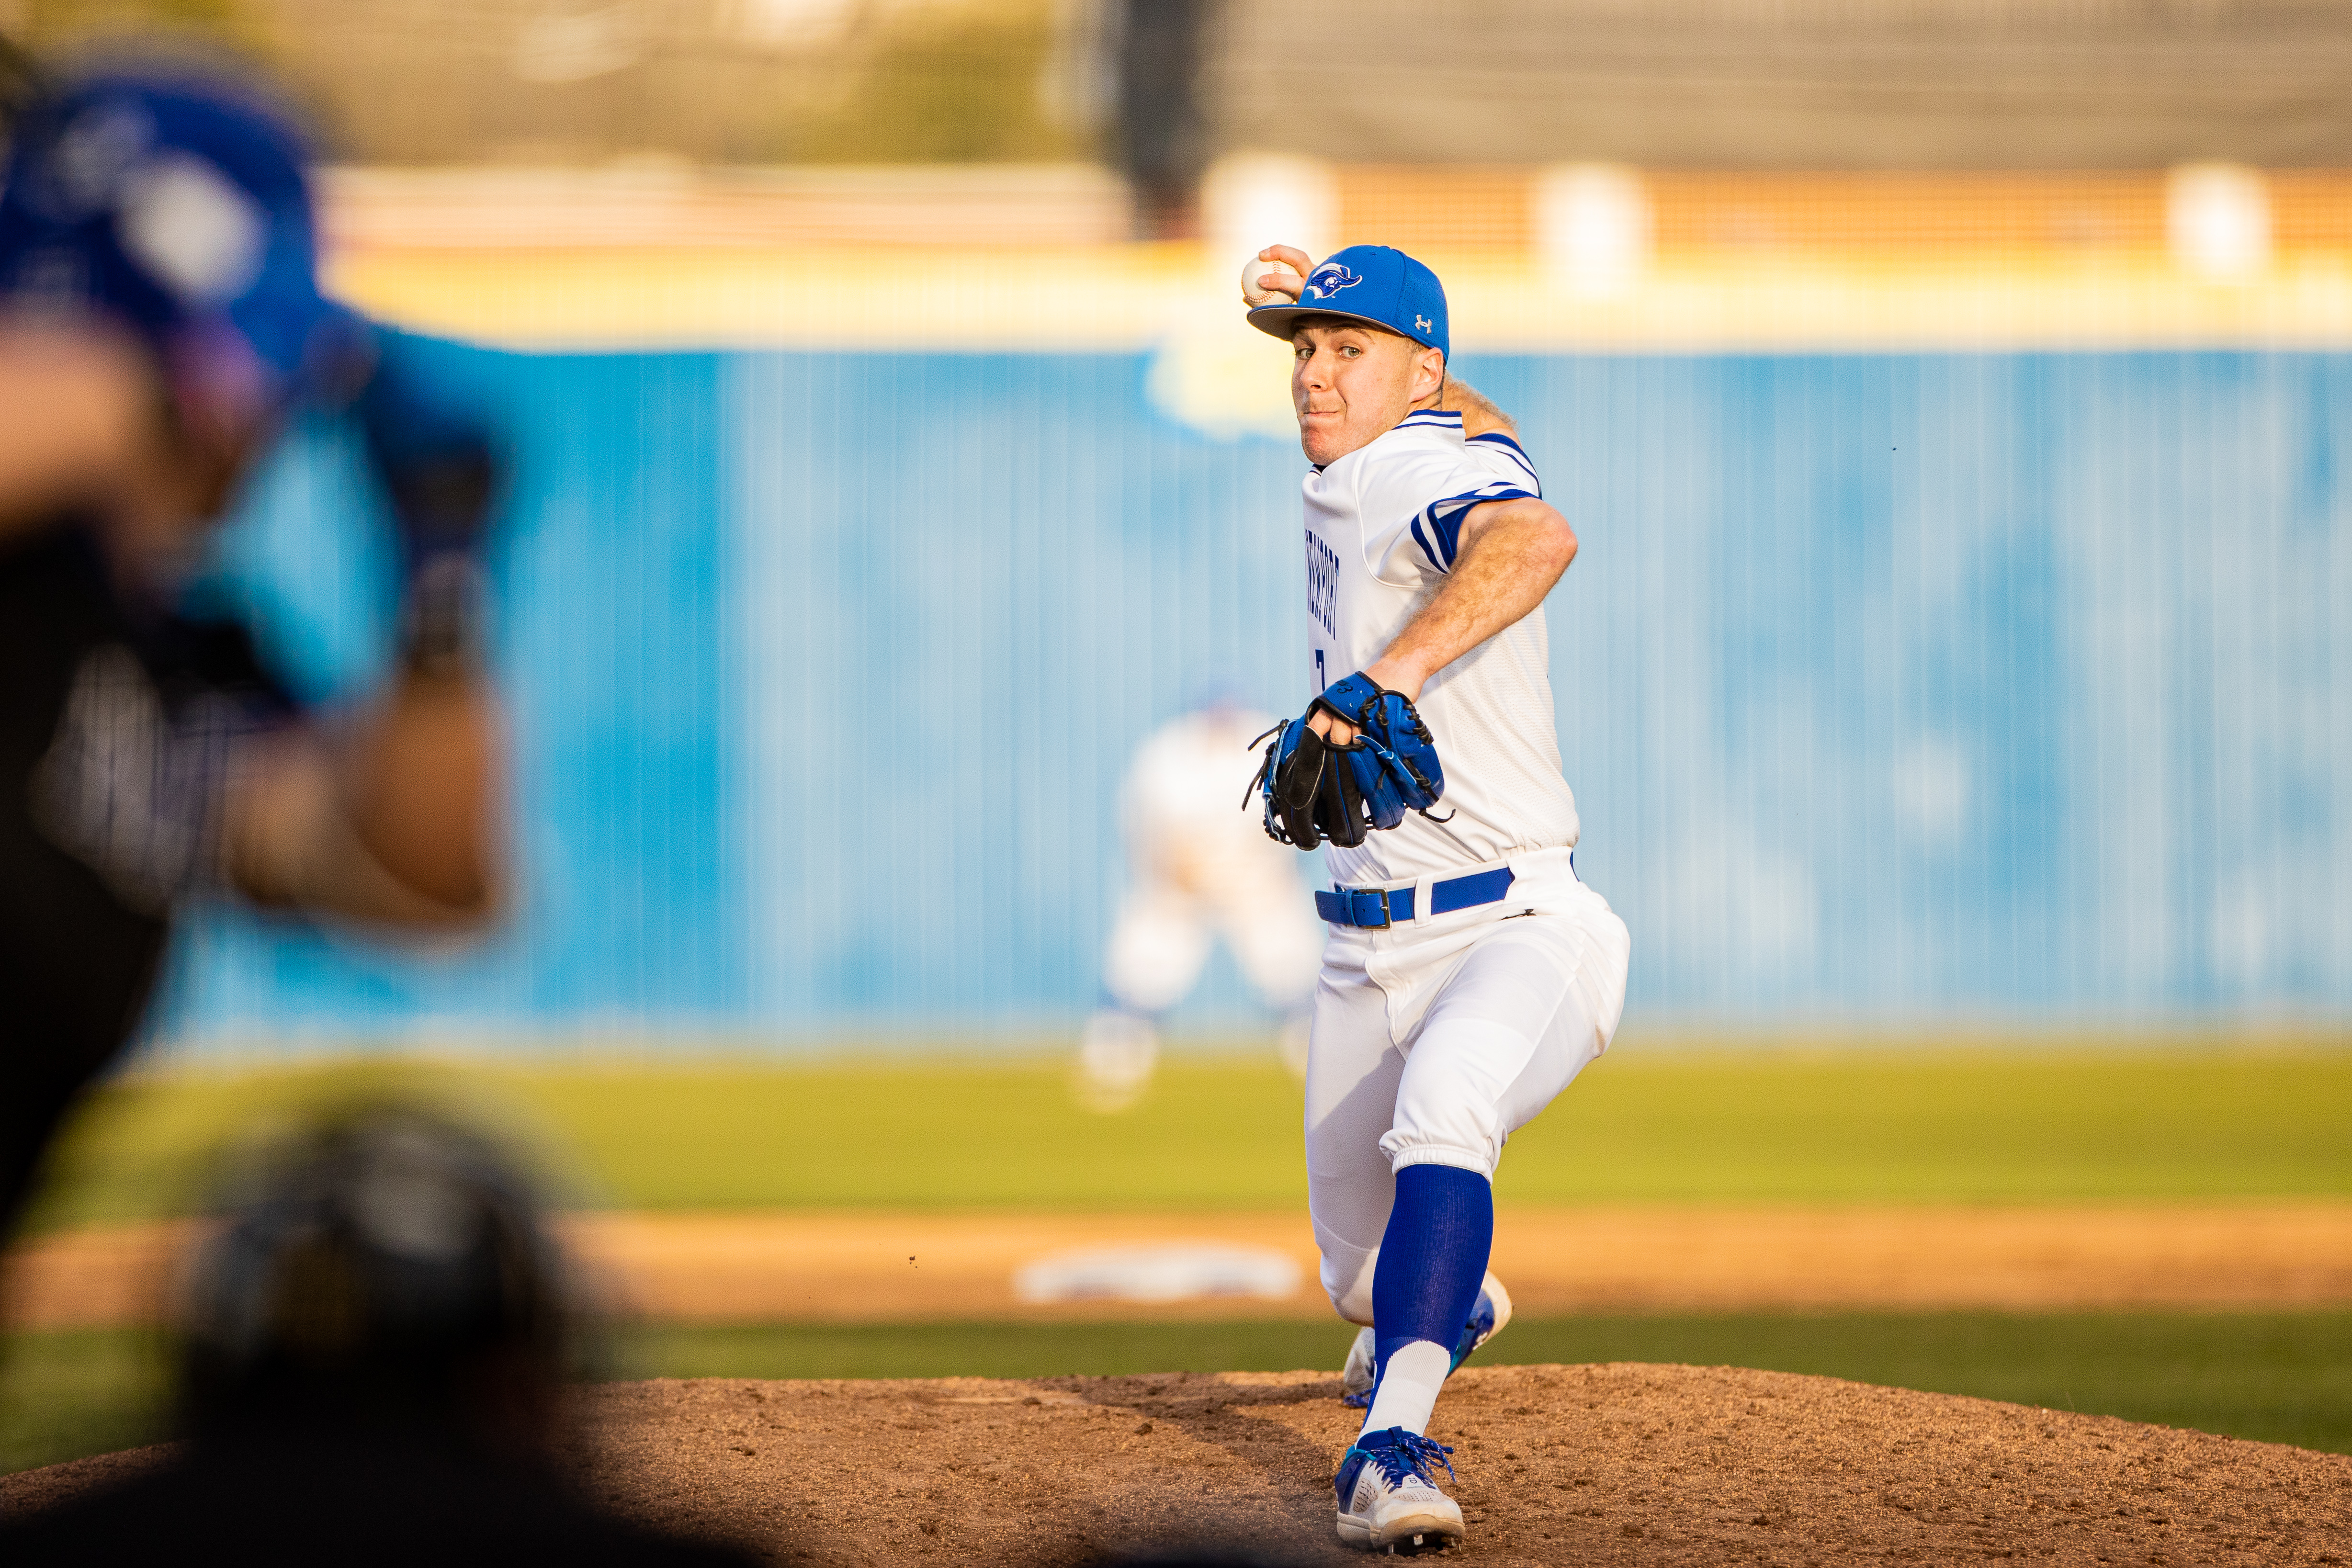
[[1470, 975], [1196, 871], [373, 1373], [159, 319]]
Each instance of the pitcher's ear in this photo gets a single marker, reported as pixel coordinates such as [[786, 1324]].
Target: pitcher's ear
[[1432, 365]]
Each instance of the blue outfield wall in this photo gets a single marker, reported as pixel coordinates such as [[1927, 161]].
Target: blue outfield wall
[[1891, 686]]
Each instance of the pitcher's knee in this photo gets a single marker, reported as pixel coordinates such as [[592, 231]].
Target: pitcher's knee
[[1348, 1280]]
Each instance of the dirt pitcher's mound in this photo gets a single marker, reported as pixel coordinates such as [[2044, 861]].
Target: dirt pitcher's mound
[[1559, 1465]]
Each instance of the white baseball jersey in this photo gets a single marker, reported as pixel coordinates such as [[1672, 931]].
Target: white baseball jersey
[[1382, 528]]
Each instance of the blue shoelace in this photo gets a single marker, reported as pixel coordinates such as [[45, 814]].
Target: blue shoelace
[[1407, 1453]]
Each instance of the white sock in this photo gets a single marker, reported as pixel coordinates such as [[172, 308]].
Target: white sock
[[1409, 1385]]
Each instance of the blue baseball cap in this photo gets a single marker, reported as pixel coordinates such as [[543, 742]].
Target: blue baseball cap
[[1372, 283], [180, 207]]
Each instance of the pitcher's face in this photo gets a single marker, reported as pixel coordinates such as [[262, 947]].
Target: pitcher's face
[[1351, 383]]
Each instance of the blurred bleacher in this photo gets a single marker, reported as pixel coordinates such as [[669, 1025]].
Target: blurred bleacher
[[1899, 85]]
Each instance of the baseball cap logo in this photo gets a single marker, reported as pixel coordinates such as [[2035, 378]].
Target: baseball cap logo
[[1423, 322], [1327, 280]]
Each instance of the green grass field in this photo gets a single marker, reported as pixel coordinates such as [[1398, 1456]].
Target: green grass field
[[1891, 1127], [2280, 1378], [1887, 1127]]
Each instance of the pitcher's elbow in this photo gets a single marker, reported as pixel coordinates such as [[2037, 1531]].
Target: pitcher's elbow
[[1558, 541]]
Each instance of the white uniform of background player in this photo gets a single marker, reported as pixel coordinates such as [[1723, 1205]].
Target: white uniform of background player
[[1197, 870], [1469, 976]]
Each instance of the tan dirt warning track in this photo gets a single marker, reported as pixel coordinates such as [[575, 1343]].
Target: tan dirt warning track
[[883, 1266], [1585, 1465]]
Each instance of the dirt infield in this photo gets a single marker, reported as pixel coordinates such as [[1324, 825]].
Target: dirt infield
[[1587, 1465], [878, 1266]]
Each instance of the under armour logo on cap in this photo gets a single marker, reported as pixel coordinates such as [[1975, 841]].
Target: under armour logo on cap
[[1421, 322]]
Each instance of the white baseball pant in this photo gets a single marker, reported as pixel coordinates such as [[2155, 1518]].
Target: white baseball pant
[[1435, 1039]]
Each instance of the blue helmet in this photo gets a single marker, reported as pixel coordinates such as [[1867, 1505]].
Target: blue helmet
[[178, 206]]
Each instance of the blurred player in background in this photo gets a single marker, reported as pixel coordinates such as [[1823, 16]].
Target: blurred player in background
[[1470, 975], [160, 322], [373, 1369], [1197, 870]]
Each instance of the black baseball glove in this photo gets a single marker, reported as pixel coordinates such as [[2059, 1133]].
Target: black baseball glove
[[1314, 791]]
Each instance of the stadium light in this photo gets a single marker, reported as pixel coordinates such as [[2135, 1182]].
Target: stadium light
[[1593, 227], [2217, 218], [1252, 200]]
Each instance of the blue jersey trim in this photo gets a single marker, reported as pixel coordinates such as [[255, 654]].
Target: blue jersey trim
[[1437, 529], [1427, 548], [1518, 454]]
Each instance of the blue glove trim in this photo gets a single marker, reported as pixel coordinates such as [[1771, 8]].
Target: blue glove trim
[[1348, 698]]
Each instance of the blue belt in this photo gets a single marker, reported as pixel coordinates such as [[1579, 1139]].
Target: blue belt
[[1374, 907]]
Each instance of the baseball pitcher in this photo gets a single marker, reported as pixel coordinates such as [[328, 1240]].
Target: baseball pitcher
[[1469, 975]]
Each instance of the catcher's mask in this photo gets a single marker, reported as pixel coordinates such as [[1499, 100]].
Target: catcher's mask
[[376, 1266]]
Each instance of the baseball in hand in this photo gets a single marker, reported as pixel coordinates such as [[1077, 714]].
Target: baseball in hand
[[1253, 269]]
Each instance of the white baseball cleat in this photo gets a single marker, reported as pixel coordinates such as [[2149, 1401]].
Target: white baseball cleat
[[1489, 1314], [1356, 1378], [1389, 1500]]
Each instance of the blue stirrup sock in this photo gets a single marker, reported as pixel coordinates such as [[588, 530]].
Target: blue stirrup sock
[[1432, 1260]]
